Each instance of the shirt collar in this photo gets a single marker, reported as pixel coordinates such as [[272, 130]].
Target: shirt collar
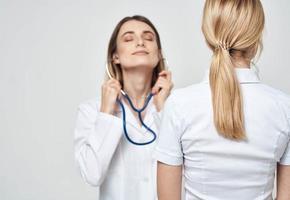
[[244, 75]]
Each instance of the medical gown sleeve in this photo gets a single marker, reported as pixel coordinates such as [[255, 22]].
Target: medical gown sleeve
[[97, 136]]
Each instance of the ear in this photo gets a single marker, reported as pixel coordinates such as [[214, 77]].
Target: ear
[[116, 58]]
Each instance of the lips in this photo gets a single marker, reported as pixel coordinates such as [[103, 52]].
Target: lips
[[140, 52]]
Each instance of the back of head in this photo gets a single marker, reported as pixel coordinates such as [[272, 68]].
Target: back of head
[[233, 30]]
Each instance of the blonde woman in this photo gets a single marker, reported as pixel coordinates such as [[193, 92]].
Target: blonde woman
[[231, 132], [120, 164]]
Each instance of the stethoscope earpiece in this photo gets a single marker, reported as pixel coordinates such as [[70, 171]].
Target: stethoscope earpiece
[[108, 72]]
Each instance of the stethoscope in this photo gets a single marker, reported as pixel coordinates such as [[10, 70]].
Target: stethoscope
[[139, 111]]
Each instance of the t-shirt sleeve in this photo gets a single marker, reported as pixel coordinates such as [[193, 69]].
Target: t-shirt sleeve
[[285, 159], [169, 149]]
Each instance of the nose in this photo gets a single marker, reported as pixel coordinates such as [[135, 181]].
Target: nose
[[140, 42]]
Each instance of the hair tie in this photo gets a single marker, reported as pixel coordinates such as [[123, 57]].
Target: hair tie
[[223, 45]]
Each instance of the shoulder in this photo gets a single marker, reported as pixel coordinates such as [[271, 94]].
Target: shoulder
[[275, 92], [280, 99], [277, 95], [189, 95], [90, 105], [185, 100]]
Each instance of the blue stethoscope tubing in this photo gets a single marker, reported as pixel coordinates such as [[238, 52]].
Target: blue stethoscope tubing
[[139, 111]]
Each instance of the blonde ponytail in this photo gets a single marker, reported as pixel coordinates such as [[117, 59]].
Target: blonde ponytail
[[226, 96], [230, 26]]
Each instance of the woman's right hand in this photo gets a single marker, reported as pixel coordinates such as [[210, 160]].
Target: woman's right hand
[[110, 91]]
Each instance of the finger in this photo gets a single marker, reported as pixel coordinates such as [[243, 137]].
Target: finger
[[161, 79], [114, 84], [115, 87], [156, 89], [159, 85], [169, 76], [168, 80], [111, 87], [162, 73], [164, 84], [166, 74], [113, 81], [119, 95]]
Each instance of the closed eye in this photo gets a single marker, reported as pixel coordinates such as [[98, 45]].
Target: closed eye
[[148, 36], [128, 38]]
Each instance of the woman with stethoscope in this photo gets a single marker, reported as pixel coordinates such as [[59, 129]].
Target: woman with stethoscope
[[229, 133], [114, 137]]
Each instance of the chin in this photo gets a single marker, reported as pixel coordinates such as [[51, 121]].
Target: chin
[[139, 61], [147, 65]]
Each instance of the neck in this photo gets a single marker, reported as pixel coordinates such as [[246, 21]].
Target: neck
[[241, 62], [137, 83]]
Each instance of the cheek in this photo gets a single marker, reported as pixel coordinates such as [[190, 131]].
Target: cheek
[[155, 49], [156, 60], [123, 50], [156, 55]]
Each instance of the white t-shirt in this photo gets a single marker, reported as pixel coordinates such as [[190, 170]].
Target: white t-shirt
[[216, 168], [106, 159]]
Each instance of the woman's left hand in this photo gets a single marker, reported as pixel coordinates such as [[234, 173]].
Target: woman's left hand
[[162, 88]]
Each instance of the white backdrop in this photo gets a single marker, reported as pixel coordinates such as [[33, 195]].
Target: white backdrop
[[52, 55]]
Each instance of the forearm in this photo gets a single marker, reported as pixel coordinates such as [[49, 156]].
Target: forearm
[[283, 182], [169, 180]]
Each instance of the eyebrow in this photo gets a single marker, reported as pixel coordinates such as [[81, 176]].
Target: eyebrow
[[132, 32], [127, 32], [148, 32]]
